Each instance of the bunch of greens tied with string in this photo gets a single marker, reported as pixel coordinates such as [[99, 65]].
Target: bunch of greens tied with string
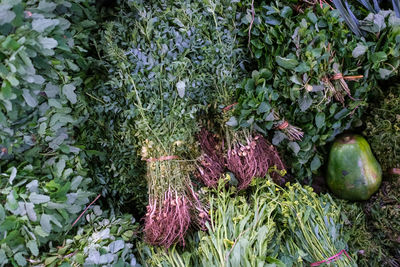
[[313, 78], [244, 153], [164, 64]]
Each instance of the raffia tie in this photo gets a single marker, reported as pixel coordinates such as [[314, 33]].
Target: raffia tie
[[161, 158]]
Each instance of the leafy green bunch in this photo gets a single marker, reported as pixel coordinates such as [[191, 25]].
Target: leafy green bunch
[[313, 78], [44, 183], [272, 225], [104, 240], [316, 227], [383, 127], [162, 66]]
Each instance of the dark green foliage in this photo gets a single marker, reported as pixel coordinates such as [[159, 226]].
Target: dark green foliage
[[383, 126], [43, 172], [373, 227], [302, 59]]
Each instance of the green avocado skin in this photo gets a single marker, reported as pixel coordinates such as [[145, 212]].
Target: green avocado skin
[[353, 172]]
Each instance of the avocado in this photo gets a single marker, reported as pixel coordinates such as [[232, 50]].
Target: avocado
[[353, 172]]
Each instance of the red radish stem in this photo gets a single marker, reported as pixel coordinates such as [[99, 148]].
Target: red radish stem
[[168, 223]]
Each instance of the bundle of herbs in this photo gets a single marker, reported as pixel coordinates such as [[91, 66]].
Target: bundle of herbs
[[245, 153], [162, 66], [313, 78], [313, 228], [270, 225]]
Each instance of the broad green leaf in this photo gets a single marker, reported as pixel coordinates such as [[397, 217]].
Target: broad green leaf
[[45, 223], [30, 211], [32, 245], [315, 163], [10, 43], [2, 213], [29, 99], [20, 259], [38, 198], [320, 120], [40, 25], [68, 91], [6, 15], [116, 246], [359, 50], [287, 63], [3, 257], [180, 86], [263, 107], [47, 43], [305, 102], [232, 122], [295, 147], [378, 57]]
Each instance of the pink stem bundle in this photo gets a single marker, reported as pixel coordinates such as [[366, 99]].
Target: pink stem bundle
[[168, 223], [254, 160], [212, 163], [245, 161]]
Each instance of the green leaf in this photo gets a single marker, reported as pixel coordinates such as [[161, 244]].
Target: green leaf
[[312, 17], [40, 25], [2, 213], [305, 102], [6, 90], [6, 15], [378, 57], [68, 91], [320, 120], [48, 43], [12, 175], [29, 99], [20, 259], [180, 86], [287, 63], [263, 108], [38, 198], [32, 245], [3, 257], [232, 122], [295, 147], [359, 50], [315, 163], [10, 43]]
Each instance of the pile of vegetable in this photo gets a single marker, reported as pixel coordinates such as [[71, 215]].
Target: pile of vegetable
[[270, 225], [313, 77], [192, 117]]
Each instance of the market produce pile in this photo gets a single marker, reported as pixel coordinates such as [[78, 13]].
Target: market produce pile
[[192, 133]]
